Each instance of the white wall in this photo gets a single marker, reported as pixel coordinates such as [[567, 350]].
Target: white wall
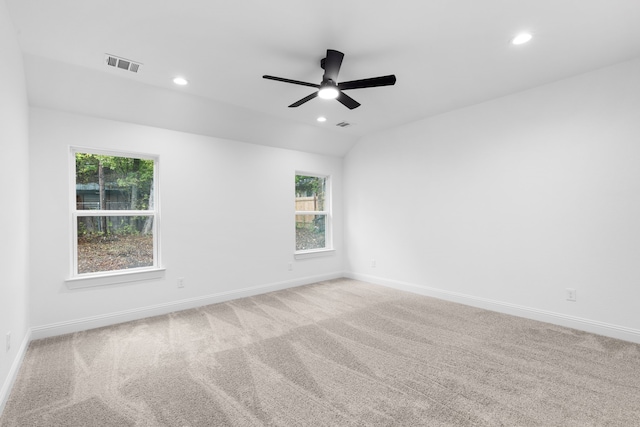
[[507, 203], [227, 220], [14, 208]]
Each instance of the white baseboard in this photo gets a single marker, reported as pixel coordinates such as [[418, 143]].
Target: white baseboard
[[587, 325], [61, 328], [13, 372]]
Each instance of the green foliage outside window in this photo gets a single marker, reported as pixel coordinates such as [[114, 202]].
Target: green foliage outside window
[[131, 178]]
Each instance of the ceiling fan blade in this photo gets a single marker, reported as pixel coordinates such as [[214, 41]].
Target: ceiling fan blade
[[332, 64], [295, 82], [347, 101], [303, 100], [372, 82]]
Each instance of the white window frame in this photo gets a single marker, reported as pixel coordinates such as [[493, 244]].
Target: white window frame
[[327, 213], [156, 271]]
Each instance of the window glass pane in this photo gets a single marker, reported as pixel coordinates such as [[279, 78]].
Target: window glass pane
[[310, 193], [113, 183], [107, 243], [310, 232]]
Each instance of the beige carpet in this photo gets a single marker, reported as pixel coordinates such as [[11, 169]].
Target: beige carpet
[[340, 353]]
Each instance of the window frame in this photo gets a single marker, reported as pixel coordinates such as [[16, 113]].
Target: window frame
[[155, 271], [327, 213]]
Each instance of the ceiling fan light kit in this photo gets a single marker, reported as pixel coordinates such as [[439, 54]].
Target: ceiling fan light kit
[[329, 89]]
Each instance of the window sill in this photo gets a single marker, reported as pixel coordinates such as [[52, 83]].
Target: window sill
[[314, 253], [90, 281]]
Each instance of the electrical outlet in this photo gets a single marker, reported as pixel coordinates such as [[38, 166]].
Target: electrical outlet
[[8, 341], [181, 282], [571, 294], [373, 263], [290, 266]]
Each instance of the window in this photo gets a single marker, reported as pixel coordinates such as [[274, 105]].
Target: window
[[114, 213], [313, 213]]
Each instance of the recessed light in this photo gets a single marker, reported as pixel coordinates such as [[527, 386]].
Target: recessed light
[[521, 38], [321, 119], [180, 81]]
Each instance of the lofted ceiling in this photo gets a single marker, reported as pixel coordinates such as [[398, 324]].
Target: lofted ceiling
[[445, 54]]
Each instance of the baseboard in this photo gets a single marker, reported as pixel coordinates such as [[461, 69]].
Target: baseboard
[[587, 325], [13, 372], [61, 328]]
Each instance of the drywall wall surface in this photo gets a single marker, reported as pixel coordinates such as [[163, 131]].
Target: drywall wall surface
[[14, 207], [513, 200], [227, 217]]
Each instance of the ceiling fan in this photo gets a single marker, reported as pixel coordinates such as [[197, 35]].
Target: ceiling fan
[[330, 88]]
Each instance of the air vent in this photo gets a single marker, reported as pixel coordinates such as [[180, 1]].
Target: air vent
[[343, 124], [123, 64]]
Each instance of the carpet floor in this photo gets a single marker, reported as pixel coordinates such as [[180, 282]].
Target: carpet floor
[[337, 353]]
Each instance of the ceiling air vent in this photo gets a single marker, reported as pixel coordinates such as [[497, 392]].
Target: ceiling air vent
[[343, 124], [123, 64]]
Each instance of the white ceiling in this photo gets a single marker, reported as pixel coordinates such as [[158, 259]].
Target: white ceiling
[[446, 54]]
